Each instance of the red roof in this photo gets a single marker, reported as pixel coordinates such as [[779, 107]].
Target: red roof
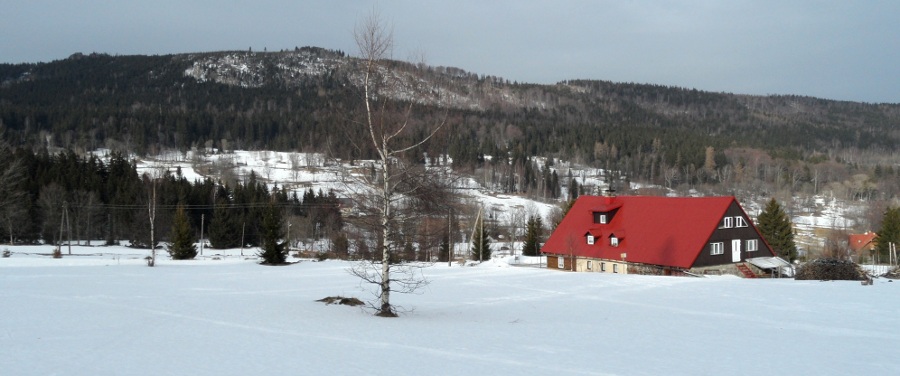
[[668, 231], [862, 241]]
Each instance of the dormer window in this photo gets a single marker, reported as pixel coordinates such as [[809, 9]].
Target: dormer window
[[614, 241], [590, 239], [603, 215], [727, 222]]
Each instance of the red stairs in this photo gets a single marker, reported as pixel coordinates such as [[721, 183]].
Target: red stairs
[[746, 270]]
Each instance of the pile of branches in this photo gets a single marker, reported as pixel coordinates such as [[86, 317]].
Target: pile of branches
[[353, 302], [893, 274], [830, 269]]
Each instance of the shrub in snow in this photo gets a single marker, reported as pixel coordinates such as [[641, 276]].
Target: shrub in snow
[[830, 269], [6, 252]]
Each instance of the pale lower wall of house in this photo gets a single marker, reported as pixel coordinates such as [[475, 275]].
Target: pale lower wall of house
[[725, 269], [600, 266], [591, 265]]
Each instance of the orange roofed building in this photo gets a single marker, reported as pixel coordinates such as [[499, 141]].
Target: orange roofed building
[[861, 244], [656, 235]]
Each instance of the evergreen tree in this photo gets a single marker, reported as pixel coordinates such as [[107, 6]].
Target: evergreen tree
[[889, 232], [340, 246], [273, 251], [775, 227], [223, 230], [533, 233], [409, 252], [182, 246], [573, 188], [481, 243], [362, 250], [444, 249]]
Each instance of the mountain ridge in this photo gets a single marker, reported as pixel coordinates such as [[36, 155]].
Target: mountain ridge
[[286, 89]]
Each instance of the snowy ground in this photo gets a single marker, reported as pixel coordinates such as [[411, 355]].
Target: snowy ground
[[106, 313]]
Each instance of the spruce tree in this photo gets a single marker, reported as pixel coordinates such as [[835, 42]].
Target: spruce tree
[[224, 231], [273, 251], [481, 243], [533, 230], [775, 226], [444, 249], [409, 252], [340, 246], [573, 188], [182, 246], [889, 232]]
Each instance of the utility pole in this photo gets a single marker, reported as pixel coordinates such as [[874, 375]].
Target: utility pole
[[450, 237], [202, 221], [68, 228], [243, 225], [62, 222], [892, 249]]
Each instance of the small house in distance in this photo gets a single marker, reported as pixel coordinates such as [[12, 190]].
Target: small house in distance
[[656, 235], [862, 245]]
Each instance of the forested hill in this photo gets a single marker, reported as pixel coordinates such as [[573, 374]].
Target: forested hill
[[308, 100]]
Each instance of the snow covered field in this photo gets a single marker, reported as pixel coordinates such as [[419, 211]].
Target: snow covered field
[[107, 313]]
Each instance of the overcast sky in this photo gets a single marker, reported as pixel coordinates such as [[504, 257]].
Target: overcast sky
[[845, 50]]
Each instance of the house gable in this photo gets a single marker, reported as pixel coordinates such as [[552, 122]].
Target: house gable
[[735, 229]]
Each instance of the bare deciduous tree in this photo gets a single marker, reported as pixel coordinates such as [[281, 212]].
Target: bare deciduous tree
[[392, 133], [85, 212], [151, 212], [51, 200]]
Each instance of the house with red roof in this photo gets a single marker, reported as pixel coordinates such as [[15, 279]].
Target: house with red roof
[[656, 235], [862, 244]]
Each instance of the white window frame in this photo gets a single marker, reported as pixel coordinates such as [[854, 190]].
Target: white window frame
[[590, 239], [614, 241], [727, 222], [602, 266], [603, 219], [589, 264], [717, 248], [560, 262], [740, 222], [752, 245], [615, 268]]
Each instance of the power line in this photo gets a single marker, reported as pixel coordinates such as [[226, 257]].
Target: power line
[[205, 206]]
